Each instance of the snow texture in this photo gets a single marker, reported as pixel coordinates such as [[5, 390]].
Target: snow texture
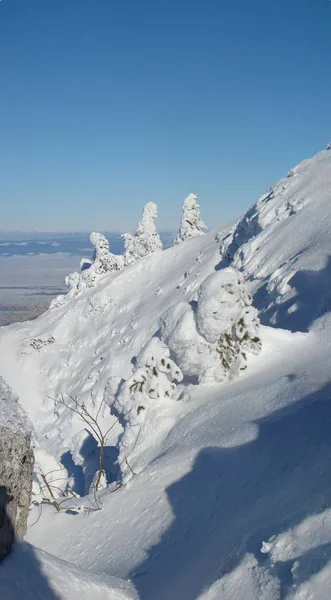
[[32, 574], [146, 240], [245, 464], [12, 414], [153, 381], [191, 224], [102, 262], [211, 340], [16, 464]]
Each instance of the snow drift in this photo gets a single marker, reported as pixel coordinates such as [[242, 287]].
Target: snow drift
[[221, 475]]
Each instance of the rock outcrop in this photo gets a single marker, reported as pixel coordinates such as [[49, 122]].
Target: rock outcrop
[[16, 464]]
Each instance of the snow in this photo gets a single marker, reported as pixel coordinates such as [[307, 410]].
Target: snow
[[146, 239], [229, 494], [191, 224], [153, 381], [12, 415], [32, 574]]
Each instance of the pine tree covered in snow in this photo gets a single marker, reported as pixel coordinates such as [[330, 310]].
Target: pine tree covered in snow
[[103, 261], [153, 381], [211, 341], [146, 240], [191, 224]]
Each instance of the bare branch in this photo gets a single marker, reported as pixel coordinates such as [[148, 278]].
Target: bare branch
[[83, 414], [132, 471]]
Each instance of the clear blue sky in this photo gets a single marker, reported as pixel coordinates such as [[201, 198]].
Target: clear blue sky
[[106, 105]]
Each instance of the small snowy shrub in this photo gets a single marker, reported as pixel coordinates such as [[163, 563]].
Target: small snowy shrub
[[146, 240], [76, 285], [210, 341], [94, 422], [328, 146], [153, 381], [49, 477], [38, 343], [191, 224]]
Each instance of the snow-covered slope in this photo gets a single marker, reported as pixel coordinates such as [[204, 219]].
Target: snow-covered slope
[[283, 246], [239, 464], [32, 574]]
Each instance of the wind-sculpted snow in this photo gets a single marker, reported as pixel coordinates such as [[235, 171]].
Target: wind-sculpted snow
[[32, 574], [218, 471], [282, 246]]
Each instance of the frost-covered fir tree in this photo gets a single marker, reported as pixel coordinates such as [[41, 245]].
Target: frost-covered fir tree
[[153, 382], [104, 261], [211, 341], [191, 224], [146, 240], [225, 316]]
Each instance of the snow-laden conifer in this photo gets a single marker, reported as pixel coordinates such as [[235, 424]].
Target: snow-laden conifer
[[191, 224], [225, 316], [210, 341], [103, 261], [146, 240], [153, 381]]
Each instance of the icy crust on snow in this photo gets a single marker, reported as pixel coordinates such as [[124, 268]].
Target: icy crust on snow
[[12, 414], [32, 574]]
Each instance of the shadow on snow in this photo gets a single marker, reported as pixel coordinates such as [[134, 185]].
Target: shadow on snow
[[236, 498], [83, 474], [311, 300], [20, 572]]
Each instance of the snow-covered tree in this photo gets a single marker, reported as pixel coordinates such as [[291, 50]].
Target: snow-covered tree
[[146, 240], [211, 341], [191, 224], [189, 349], [153, 381], [103, 261]]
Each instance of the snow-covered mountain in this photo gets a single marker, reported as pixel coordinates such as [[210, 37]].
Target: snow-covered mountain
[[229, 494]]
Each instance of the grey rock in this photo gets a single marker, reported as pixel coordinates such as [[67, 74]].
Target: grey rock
[[16, 465]]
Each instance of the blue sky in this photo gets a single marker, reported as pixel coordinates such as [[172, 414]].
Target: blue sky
[[106, 105]]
